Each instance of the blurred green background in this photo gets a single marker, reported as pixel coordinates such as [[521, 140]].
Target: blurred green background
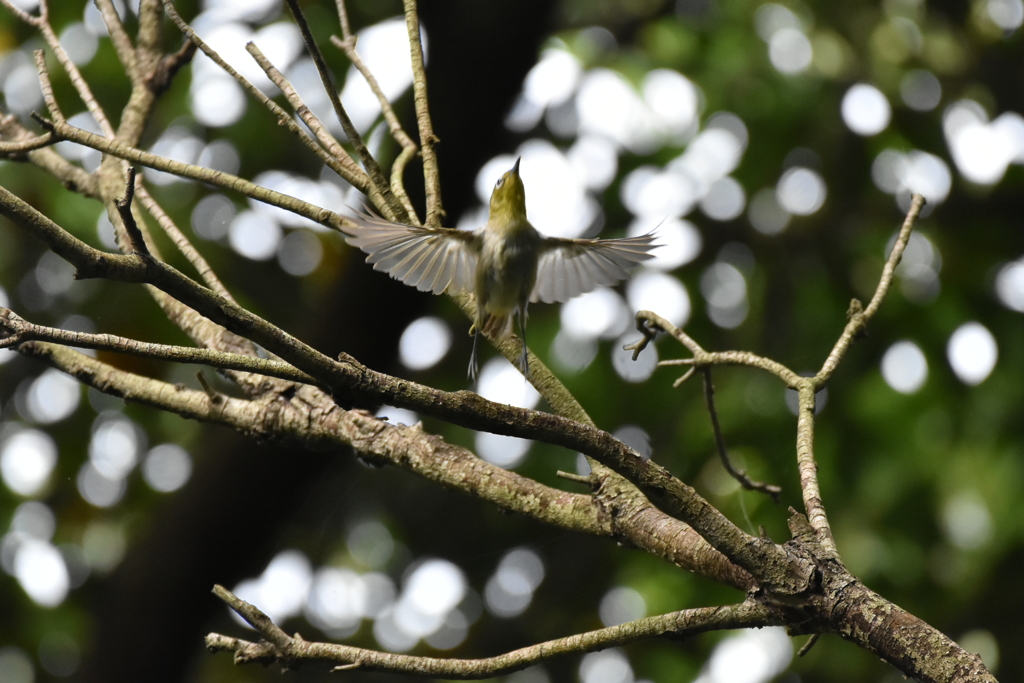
[[835, 112]]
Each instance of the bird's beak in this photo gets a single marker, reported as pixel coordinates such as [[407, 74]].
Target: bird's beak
[[515, 169]]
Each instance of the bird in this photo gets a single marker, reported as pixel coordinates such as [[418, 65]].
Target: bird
[[506, 264]]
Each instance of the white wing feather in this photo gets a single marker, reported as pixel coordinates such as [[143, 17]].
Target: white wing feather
[[568, 268], [429, 259]]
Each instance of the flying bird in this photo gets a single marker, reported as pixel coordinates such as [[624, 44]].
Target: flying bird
[[506, 263]]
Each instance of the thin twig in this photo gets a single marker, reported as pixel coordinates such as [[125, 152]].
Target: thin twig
[[22, 146], [683, 624], [136, 241], [392, 208], [220, 179], [806, 647], [47, 87], [585, 479], [649, 323], [22, 14], [17, 331], [409, 147], [346, 30], [74, 75], [857, 323], [315, 125], [739, 475], [344, 166], [119, 37], [179, 239], [208, 388], [431, 175]]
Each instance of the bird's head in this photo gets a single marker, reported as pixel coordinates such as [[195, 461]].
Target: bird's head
[[508, 200]]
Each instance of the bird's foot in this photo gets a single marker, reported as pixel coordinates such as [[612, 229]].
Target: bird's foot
[[524, 363]]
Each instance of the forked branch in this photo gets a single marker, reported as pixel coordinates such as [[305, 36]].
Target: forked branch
[[290, 650]]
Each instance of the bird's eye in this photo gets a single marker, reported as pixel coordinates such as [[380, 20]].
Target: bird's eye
[[501, 181]]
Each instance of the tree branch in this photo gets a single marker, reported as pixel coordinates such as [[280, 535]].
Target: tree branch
[[723, 454], [294, 650], [343, 165], [409, 148], [772, 565], [431, 174], [859, 319], [16, 330], [219, 179], [314, 421], [392, 208]]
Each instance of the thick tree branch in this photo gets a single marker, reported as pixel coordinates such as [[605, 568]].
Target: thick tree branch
[[771, 564], [312, 421]]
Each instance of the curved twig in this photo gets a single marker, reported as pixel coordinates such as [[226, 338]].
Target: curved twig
[[723, 454], [279, 646]]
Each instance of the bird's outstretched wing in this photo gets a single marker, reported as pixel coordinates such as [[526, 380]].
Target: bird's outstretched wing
[[429, 259], [568, 268]]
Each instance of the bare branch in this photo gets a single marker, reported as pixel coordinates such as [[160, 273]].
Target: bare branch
[[22, 14], [220, 179], [21, 146], [315, 422], [808, 468], [150, 32], [118, 36], [409, 147], [71, 176], [288, 650], [431, 175], [180, 241], [160, 79], [344, 165], [858, 321], [392, 208], [806, 462], [46, 86], [649, 324], [723, 454], [136, 241], [71, 69], [773, 565], [311, 120], [17, 330]]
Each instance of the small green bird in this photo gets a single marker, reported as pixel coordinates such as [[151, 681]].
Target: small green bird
[[506, 263]]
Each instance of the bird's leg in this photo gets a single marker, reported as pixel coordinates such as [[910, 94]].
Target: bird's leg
[[472, 356], [524, 363]]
